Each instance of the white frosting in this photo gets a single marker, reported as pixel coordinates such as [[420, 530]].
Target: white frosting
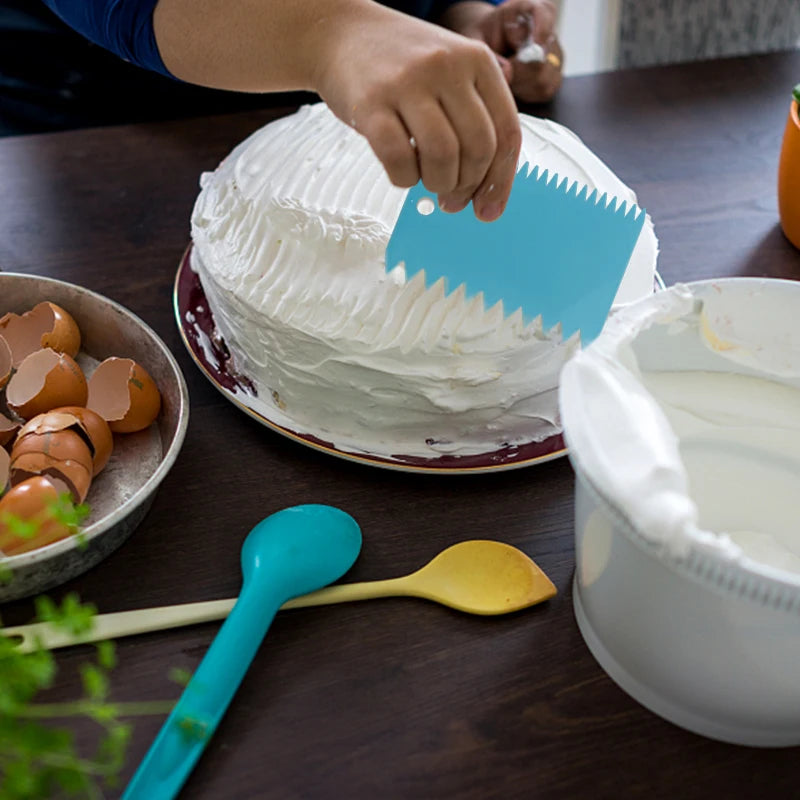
[[685, 414], [289, 239], [529, 52]]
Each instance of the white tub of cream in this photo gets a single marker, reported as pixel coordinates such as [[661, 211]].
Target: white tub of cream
[[683, 426]]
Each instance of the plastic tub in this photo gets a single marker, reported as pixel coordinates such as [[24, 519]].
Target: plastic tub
[[687, 505]]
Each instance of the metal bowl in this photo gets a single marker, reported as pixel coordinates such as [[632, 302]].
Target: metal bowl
[[122, 493]]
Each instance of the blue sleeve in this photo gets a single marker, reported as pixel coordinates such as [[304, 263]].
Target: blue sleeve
[[125, 27]]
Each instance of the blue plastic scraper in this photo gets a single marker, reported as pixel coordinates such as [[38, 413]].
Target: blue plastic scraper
[[557, 250]]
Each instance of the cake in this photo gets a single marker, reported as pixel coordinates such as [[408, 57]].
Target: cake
[[288, 241]]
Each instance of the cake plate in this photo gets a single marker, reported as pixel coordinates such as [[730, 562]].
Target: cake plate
[[198, 331]]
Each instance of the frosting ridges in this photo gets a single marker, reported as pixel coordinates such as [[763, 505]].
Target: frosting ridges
[[289, 238]]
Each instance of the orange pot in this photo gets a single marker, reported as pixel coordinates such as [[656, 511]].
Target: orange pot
[[789, 178]]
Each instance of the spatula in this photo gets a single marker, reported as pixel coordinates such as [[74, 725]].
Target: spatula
[[557, 250], [291, 552], [477, 576]]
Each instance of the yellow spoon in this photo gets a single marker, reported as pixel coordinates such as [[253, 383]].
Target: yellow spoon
[[477, 576]]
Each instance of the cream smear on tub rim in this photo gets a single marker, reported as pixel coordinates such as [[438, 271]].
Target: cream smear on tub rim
[[685, 415]]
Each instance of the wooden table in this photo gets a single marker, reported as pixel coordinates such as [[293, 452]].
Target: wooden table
[[400, 698]]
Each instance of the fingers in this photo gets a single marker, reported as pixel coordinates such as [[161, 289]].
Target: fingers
[[524, 21], [536, 60], [461, 139], [433, 105], [517, 25], [491, 196], [439, 144], [483, 118], [544, 18], [538, 81], [522, 33], [392, 144], [475, 129]]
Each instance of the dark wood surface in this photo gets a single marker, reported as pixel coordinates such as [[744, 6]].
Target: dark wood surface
[[400, 698]]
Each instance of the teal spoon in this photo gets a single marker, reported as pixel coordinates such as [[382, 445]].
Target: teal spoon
[[291, 552]]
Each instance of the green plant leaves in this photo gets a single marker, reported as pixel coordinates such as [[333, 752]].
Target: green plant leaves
[[39, 760]]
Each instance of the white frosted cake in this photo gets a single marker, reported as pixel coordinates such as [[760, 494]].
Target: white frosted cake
[[289, 235]]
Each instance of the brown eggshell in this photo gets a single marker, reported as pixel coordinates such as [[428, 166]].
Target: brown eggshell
[[6, 362], [86, 423], [43, 381], [31, 501], [49, 422], [8, 429], [5, 461], [124, 395], [64, 336], [45, 325], [74, 474], [63, 445]]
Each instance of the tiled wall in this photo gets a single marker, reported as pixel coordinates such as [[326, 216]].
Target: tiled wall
[[600, 34], [666, 31]]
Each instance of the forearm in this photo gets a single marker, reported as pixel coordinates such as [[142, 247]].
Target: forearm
[[254, 45], [433, 105]]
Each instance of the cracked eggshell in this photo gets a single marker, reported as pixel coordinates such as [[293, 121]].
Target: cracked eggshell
[[90, 426], [124, 395], [45, 325], [8, 429], [74, 475], [6, 362], [31, 501], [64, 445], [43, 381], [5, 462]]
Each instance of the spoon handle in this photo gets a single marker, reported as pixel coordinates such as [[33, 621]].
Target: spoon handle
[[195, 716], [144, 620], [118, 624], [350, 592]]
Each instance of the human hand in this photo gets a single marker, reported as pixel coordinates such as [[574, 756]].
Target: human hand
[[433, 105], [522, 34]]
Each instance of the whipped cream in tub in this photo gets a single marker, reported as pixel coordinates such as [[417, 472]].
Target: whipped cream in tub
[[683, 423]]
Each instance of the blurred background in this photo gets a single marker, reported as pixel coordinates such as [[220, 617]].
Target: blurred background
[[601, 35]]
